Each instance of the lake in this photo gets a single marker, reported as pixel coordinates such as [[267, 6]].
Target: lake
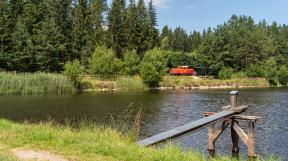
[[163, 110]]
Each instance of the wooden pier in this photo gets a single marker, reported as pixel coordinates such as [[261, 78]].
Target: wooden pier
[[229, 116]]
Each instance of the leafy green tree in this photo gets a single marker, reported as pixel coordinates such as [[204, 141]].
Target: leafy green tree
[[130, 63], [282, 75], [74, 71], [149, 74], [104, 63], [256, 71]]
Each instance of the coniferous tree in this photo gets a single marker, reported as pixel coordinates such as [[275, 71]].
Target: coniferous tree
[[142, 29], [116, 27], [130, 25], [98, 8], [61, 11], [153, 31]]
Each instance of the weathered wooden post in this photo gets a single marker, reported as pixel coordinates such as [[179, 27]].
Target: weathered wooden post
[[250, 141], [233, 99], [234, 135], [235, 140]]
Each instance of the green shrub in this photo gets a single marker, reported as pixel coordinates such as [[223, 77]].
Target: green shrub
[[271, 71], [73, 70], [239, 75], [256, 71], [282, 75], [104, 63], [149, 74], [225, 73], [130, 63], [153, 67]]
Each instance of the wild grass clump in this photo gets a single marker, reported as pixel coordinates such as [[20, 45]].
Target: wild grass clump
[[130, 83], [34, 84]]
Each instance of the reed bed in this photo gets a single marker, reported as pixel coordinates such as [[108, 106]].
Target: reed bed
[[34, 84]]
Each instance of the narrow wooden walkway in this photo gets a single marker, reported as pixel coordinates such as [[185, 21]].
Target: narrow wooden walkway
[[192, 127], [229, 115]]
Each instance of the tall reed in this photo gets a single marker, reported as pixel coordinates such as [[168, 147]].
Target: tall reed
[[34, 84]]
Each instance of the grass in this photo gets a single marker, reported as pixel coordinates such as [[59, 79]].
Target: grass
[[34, 84], [190, 82], [125, 83], [87, 143]]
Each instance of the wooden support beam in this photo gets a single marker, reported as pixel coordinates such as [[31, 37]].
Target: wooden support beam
[[250, 141], [246, 117], [243, 136], [213, 135], [235, 140]]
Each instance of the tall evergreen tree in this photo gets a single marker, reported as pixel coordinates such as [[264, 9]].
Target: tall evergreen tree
[[153, 31], [116, 27]]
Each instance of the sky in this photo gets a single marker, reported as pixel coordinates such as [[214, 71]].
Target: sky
[[200, 14]]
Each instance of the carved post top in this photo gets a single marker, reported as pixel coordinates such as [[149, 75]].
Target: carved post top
[[233, 99]]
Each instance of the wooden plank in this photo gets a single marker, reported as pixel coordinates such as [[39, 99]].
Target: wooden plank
[[191, 127], [243, 136], [246, 117]]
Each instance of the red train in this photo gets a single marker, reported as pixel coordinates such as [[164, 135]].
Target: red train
[[182, 70]]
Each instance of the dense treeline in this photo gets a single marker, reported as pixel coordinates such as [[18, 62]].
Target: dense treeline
[[122, 39], [41, 35]]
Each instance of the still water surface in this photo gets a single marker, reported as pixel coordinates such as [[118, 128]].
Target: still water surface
[[163, 110]]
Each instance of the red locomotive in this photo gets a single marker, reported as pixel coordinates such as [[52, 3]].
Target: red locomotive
[[182, 70]]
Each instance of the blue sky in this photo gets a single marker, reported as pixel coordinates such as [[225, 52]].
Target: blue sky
[[200, 14]]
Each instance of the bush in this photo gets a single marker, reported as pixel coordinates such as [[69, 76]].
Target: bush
[[256, 71], [130, 63], [282, 75], [149, 74], [239, 75], [73, 70], [225, 73], [271, 71], [104, 63]]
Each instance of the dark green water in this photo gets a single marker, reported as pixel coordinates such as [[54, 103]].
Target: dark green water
[[162, 111]]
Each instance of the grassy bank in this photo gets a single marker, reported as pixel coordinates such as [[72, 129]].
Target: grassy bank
[[170, 82], [89, 143], [190, 82], [34, 84], [124, 83]]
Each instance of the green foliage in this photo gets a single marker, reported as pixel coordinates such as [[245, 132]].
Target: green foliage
[[130, 83], [73, 70], [130, 63], [282, 75], [149, 74], [256, 71], [239, 75], [225, 73], [271, 71], [104, 63], [153, 67]]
